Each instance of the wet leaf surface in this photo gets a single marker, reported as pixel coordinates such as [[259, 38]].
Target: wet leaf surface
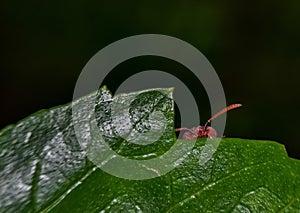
[[45, 169]]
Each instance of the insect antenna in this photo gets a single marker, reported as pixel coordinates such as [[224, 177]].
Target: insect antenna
[[226, 109]]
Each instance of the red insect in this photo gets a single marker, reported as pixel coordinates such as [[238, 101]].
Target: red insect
[[205, 131]]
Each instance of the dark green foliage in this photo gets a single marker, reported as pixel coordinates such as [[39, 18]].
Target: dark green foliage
[[44, 169]]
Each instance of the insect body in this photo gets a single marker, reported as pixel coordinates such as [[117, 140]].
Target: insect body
[[205, 131]]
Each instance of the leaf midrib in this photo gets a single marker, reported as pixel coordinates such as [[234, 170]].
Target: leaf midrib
[[68, 191], [91, 171]]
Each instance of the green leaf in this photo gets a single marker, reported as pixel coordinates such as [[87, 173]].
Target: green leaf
[[44, 168]]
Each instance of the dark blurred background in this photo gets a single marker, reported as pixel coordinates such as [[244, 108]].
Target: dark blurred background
[[254, 47]]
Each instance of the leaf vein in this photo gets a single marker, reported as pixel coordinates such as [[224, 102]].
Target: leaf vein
[[216, 182], [289, 204], [69, 190]]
